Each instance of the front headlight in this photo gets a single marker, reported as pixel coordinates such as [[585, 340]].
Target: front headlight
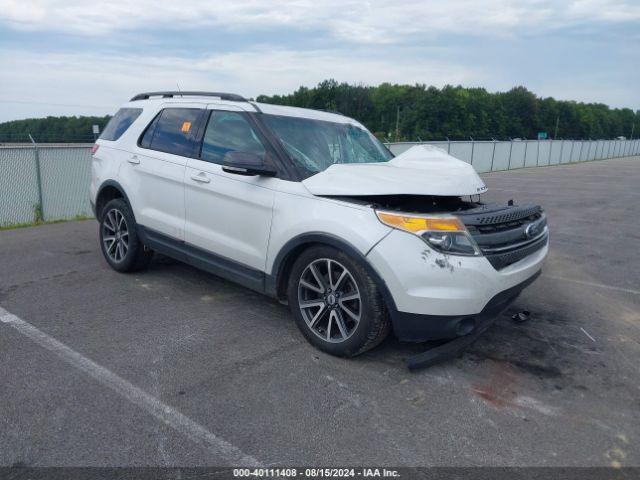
[[446, 234]]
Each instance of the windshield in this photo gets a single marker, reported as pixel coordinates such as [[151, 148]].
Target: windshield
[[315, 145]]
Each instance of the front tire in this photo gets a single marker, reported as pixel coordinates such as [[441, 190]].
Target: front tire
[[122, 248], [335, 302]]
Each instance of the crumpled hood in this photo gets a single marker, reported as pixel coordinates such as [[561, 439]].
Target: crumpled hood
[[421, 170]]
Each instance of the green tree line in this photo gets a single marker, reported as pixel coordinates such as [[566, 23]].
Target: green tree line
[[406, 112], [419, 112], [52, 129]]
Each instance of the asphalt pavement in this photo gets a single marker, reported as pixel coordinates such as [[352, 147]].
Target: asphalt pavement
[[173, 366]]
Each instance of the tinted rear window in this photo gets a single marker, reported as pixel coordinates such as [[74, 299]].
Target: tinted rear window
[[119, 123], [173, 131]]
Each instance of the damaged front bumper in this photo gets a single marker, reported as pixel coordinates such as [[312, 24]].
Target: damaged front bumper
[[419, 327], [481, 322], [436, 296]]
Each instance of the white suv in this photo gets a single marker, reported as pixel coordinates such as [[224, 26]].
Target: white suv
[[308, 207]]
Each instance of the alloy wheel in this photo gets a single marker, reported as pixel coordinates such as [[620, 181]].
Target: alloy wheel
[[329, 300], [115, 235]]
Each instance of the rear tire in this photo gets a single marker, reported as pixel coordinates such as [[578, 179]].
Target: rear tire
[[335, 302], [122, 248]]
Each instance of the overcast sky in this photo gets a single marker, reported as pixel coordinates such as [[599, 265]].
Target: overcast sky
[[73, 57]]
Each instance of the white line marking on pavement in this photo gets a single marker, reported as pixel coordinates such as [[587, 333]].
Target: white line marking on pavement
[[593, 284], [130, 392], [587, 334]]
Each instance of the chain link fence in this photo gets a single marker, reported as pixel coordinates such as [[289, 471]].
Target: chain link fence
[[50, 182], [44, 183], [491, 156]]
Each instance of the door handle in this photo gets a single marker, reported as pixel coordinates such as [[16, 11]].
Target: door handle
[[201, 177], [134, 160]]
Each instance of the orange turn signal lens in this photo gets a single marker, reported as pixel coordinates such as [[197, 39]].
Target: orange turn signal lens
[[418, 224]]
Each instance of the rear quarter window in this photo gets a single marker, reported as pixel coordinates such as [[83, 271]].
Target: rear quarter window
[[119, 123]]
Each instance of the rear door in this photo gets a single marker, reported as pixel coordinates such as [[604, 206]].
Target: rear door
[[229, 215], [155, 169]]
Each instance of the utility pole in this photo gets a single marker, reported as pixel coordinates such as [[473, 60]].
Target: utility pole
[[555, 134], [397, 123], [633, 127]]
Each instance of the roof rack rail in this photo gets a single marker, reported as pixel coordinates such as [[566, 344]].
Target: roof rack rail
[[170, 94]]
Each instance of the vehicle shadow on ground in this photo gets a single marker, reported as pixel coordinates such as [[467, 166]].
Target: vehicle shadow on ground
[[541, 348]]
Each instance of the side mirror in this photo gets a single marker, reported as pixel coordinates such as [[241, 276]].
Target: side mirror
[[246, 163]]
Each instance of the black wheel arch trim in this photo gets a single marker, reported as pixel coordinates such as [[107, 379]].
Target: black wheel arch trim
[[105, 184], [273, 281]]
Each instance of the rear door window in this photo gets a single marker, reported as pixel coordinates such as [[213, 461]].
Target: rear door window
[[229, 132], [174, 130], [119, 123]]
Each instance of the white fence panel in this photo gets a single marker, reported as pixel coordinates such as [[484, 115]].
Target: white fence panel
[[554, 152], [488, 156], [544, 152], [518, 152], [610, 148], [565, 155], [531, 154], [593, 151], [501, 155], [462, 150], [482, 155]]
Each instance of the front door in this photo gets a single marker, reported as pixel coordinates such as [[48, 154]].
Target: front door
[[227, 214]]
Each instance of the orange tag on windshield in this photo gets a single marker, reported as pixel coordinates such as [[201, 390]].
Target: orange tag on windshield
[[186, 126]]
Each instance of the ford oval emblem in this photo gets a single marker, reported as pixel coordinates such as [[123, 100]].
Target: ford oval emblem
[[532, 230]]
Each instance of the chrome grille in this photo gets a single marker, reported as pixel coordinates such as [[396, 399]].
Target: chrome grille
[[501, 232]]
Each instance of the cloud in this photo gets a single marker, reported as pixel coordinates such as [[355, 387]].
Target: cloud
[[374, 21], [99, 56], [80, 79]]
